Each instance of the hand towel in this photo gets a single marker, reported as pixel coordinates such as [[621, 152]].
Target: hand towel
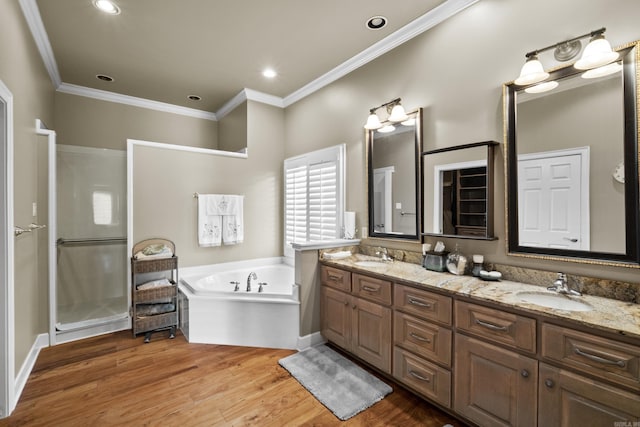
[[209, 226], [232, 222]]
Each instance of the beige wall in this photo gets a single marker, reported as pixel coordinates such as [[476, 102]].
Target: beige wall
[[455, 71], [232, 129], [164, 182], [22, 71], [93, 123]]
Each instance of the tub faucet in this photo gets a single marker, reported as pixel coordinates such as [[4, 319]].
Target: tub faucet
[[253, 276], [237, 286], [561, 286]]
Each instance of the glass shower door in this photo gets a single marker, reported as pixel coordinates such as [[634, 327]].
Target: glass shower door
[[91, 244]]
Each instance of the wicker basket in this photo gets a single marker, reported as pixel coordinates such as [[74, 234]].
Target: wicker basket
[[152, 265], [158, 321], [159, 294]]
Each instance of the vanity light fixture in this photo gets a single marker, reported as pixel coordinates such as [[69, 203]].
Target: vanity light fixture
[[605, 70], [598, 53], [395, 111]]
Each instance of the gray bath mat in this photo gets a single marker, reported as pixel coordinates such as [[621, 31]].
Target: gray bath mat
[[339, 384]]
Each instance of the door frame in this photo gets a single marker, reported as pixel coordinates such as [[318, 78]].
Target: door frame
[[387, 172], [7, 309], [41, 129], [438, 171]]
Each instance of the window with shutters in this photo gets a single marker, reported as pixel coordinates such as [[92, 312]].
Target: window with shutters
[[314, 197]]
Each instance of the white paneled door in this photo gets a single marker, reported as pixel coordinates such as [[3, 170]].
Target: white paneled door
[[553, 190]]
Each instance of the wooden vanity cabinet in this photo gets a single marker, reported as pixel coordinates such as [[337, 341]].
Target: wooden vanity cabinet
[[495, 386], [422, 347], [493, 367], [357, 317], [567, 399]]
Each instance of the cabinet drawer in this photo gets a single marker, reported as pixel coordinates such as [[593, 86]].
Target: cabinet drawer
[[510, 329], [422, 338], [601, 357], [336, 278], [423, 304], [373, 289], [424, 377]]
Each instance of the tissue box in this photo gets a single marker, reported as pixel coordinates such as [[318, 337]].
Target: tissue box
[[436, 261]]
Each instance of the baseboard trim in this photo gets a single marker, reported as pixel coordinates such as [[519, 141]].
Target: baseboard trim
[[310, 340], [42, 341]]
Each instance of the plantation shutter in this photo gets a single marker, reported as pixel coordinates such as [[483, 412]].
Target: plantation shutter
[[323, 203], [314, 197], [296, 204]]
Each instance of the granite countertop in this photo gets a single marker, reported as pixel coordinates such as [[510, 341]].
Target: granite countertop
[[609, 315]]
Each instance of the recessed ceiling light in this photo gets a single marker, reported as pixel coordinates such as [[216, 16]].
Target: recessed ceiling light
[[376, 22], [269, 73], [107, 6], [194, 97], [104, 78]]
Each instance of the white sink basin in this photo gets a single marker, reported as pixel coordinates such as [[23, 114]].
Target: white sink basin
[[370, 263], [557, 301]]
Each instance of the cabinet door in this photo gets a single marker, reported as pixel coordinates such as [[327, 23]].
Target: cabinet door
[[371, 333], [494, 386], [336, 317], [568, 399]]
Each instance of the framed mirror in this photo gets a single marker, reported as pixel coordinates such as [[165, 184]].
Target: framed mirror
[[572, 166], [458, 191], [394, 177]]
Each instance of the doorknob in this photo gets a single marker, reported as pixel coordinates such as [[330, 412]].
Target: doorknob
[[572, 240]]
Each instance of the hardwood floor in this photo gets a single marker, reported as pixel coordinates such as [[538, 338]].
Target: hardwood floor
[[114, 380]]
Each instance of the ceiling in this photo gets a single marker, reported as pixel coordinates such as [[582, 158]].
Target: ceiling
[[165, 50]]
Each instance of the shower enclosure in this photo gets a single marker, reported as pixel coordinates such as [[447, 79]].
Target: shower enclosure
[[91, 291]]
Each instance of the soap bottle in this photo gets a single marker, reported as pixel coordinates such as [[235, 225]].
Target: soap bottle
[[477, 265]]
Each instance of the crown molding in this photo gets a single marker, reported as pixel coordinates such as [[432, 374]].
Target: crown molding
[[34, 21], [393, 40], [104, 95], [249, 95], [409, 31]]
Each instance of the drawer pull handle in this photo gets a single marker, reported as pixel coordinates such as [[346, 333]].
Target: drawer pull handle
[[334, 277], [549, 383], [524, 373], [346, 303], [370, 289], [418, 376], [579, 352], [418, 302], [418, 337], [491, 326]]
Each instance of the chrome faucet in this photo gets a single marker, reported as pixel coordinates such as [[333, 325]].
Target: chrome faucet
[[253, 276], [383, 254], [561, 286], [237, 285]]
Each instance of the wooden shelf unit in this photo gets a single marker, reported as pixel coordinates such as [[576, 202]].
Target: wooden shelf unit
[[143, 271]]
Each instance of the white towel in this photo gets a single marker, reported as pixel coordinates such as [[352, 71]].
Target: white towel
[[222, 219], [209, 226]]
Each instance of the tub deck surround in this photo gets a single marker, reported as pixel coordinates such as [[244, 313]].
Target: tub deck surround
[[608, 315], [211, 312]]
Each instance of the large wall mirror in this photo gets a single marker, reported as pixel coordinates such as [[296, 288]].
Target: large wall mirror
[[394, 178], [572, 166], [458, 191]]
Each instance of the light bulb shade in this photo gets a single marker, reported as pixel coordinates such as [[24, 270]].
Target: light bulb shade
[[542, 87], [398, 114], [387, 129], [531, 72], [597, 53], [373, 122], [605, 70]]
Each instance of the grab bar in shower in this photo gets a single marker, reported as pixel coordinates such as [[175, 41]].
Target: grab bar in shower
[[91, 241]]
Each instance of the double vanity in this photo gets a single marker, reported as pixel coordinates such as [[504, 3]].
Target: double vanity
[[493, 353]]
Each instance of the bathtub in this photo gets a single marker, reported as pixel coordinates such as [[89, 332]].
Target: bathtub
[[211, 311]]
